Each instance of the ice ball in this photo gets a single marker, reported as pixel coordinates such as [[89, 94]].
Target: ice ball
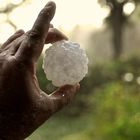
[[65, 63]]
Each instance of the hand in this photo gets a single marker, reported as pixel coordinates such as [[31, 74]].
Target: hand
[[23, 105]]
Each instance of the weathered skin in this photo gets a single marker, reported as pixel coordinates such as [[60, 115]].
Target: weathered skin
[[23, 105]]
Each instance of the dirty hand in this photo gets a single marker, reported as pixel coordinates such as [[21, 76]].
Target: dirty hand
[[23, 105]]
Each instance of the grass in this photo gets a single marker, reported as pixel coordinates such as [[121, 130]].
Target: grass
[[59, 127]]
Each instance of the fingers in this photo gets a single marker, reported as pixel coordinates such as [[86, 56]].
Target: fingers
[[32, 47], [49, 104], [15, 45], [12, 38], [42, 23], [54, 35], [63, 96]]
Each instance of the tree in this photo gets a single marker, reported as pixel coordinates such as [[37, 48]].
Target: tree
[[8, 9], [117, 19]]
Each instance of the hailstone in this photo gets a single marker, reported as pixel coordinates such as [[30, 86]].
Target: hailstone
[[65, 63]]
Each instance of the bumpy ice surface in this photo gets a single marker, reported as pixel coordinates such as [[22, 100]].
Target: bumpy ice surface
[[65, 63]]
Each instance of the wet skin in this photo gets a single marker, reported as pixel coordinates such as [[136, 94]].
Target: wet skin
[[23, 105]]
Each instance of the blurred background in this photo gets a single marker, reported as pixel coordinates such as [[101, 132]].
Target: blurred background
[[107, 106]]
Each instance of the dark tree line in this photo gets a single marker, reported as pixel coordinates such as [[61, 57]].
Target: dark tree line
[[117, 20]]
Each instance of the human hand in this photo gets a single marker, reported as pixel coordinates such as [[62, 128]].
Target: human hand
[[23, 105]]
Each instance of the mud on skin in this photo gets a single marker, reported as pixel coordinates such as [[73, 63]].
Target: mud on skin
[[23, 105]]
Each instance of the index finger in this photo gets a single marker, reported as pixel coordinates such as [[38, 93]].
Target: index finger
[[40, 28], [32, 46]]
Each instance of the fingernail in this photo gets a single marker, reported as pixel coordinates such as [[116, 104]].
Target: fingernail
[[60, 35], [50, 9], [51, 3]]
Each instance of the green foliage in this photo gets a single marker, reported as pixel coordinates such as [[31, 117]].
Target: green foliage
[[116, 112], [45, 85]]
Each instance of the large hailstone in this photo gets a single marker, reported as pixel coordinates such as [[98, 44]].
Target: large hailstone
[[65, 63]]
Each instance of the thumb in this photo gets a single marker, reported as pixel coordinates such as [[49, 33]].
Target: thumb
[[63, 96], [54, 35]]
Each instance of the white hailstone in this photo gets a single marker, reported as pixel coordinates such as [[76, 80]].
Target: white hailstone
[[65, 63]]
